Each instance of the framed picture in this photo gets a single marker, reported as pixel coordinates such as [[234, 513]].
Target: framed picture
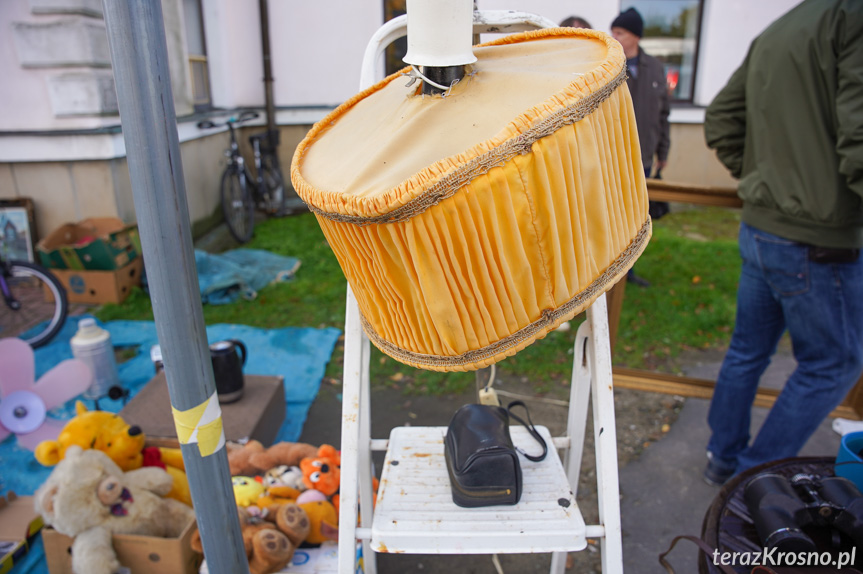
[[17, 229]]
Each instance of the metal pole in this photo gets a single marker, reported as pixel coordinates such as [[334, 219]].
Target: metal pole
[[272, 134], [139, 54]]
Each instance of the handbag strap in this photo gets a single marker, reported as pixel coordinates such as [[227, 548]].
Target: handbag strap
[[704, 546], [530, 428]]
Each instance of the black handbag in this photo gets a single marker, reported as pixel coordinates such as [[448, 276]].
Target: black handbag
[[483, 464]]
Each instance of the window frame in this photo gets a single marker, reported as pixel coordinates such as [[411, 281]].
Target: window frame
[[690, 100]]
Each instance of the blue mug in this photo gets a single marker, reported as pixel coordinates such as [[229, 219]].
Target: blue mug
[[849, 464]]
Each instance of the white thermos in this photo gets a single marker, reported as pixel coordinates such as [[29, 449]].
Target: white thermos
[[92, 344]]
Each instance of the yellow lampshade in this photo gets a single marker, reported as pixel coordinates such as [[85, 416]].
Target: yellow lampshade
[[470, 225]]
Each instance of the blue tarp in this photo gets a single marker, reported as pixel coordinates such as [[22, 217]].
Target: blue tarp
[[240, 273], [300, 355]]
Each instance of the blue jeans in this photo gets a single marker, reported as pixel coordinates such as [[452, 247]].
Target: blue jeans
[[821, 305]]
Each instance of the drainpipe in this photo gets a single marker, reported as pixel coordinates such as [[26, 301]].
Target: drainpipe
[[272, 131]]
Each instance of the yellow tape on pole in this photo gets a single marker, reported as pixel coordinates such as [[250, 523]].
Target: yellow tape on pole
[[201, 424]]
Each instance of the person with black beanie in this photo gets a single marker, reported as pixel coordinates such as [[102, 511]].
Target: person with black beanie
[[649, 90], [650, 100]]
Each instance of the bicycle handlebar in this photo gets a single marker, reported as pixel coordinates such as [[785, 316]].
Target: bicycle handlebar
[[244, 117]]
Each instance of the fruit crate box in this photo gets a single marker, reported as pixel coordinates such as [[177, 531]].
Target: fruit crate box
[[95, 244]]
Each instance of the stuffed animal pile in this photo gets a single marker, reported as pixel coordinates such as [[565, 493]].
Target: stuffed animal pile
[[269, 541], [287, 495], [286, 473], [89, 498], [124, 444]]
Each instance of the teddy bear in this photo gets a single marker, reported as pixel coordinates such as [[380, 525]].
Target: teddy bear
[[89, 498], [270, 539], [253, 458], [124, 444]]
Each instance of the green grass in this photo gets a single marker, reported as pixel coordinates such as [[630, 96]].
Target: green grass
[[693, 265], [691, 262], [315, 298]]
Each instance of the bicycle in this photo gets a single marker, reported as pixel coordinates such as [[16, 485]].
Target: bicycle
[[36, 301], [241, 194]]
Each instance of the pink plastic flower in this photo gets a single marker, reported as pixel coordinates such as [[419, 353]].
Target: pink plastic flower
[[25, 402]]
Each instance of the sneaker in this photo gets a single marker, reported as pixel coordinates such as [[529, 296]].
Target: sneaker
[[715, 474]]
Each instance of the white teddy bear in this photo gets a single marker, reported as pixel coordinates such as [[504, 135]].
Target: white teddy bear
[[89, 498]]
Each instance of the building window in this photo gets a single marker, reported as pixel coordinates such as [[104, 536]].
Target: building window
[[671, 34], [196, 45]]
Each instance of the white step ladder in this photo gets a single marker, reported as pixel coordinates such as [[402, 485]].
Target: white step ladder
[[415, 513]]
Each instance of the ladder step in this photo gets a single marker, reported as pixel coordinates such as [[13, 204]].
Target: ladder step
[[415, 512]]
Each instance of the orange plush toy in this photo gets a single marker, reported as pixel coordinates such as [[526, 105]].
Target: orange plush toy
[[323, 471]]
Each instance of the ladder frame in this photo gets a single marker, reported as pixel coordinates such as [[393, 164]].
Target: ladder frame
[[591, 382]]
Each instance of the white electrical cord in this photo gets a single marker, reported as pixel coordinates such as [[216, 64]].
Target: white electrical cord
[[415, 75], [556, 402], [488, 385], [496, 561]]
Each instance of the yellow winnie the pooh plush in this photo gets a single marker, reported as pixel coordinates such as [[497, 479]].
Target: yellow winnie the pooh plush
[[109, 433]]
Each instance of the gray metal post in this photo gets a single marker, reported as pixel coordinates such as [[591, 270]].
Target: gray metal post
[[136, 34]]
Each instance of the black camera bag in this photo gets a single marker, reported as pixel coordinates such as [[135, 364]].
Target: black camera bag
[[483, 464]]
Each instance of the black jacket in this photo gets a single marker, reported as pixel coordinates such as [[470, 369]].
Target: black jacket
[[650, 100]]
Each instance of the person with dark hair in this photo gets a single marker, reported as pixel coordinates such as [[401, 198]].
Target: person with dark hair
[[575, 22], [646, 83], [789, 126]]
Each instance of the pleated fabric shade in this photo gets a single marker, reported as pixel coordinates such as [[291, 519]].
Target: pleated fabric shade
[[470, 225]]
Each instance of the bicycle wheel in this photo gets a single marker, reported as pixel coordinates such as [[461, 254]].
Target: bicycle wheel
[[39, 308], [237, 205], [274, 186]]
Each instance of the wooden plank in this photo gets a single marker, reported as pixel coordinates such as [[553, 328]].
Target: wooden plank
[[615, 306], [654, 382], [661, 190]]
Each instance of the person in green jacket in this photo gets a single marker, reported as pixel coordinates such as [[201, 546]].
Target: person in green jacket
[[789, 125]]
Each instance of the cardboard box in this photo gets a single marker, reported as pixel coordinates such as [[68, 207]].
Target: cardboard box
[[100, 286], [19, 524], [258, 415], [140, 554], [96, 244]]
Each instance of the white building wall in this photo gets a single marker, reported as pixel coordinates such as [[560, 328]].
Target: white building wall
[[25, 102], [232, 34], [317, 46], [728, 27], [55, 65], [317, 49]]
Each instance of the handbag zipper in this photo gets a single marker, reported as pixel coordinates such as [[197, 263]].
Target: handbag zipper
[[480, 494]]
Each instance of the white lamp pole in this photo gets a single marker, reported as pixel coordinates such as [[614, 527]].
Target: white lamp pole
[[440, 36]]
